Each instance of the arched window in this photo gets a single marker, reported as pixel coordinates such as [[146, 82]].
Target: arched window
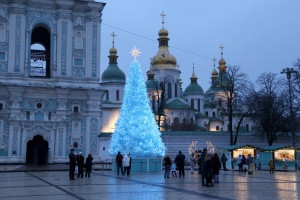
[[1, 106], [75, 109], [192, 103], [75, 145], [176, 120], [153, 103], [40, 53], [27, 115], [206, 113], [49, 116], [175, 90], [117, 95], [107, 95], [214, 114], [198, 105], [247, 127], [169, 90]]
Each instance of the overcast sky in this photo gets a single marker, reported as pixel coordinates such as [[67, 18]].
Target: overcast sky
[[258, 35]]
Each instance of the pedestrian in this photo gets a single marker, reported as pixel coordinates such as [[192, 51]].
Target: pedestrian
[[223, 161], [250, 163], [199, 162], [244, 164], [180, 161], [119, 163], [272, 166], [130, 159], [192, 162], [173, 169], [208, 170], [216, 167], [80, 163], [72, 161], [126, 164], [88, 165], [202, 158], [285, 164], [167, 164], [239, 162]]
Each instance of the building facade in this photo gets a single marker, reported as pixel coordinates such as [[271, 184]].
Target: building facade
[[50, 97]]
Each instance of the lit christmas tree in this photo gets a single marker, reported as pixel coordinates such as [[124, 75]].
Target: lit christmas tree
[[136, 130]]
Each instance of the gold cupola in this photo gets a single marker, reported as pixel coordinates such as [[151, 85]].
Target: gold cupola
[[222, 62], [163, 59]]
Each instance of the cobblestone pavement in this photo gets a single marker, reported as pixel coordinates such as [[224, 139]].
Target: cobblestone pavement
[[107, 185]]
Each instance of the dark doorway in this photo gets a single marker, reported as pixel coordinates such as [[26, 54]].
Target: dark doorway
[[37, 151]]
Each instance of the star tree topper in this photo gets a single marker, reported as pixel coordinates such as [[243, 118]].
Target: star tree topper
[[135, 52]]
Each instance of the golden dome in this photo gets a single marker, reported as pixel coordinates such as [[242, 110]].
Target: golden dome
[[113, 51], [163, 32], [214, 73], [222, 61], [163, 59]]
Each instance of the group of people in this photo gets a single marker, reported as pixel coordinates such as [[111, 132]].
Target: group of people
[[123, 161], [78, 160], [246, 164]]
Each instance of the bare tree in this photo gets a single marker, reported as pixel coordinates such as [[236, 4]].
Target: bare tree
[[232, 88], [271, 107]]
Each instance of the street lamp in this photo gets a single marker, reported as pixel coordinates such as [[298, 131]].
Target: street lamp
[[289, 72]]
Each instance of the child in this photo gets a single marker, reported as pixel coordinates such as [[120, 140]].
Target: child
[[173, 169], [272, 166]]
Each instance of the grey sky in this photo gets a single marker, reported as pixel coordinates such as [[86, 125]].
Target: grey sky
[[258, 35]]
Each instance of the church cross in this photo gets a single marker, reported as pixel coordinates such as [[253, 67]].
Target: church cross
[[221, 47], [214, 59], [163, 17], [113, 35]]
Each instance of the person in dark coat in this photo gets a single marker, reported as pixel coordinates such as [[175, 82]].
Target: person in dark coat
[[202, 158], [209, 173], [80, 163], [119, 159], [88, 165], [72, 158], [180, 161], [167, 164], [216, 167], [224, 160], [244, 163]]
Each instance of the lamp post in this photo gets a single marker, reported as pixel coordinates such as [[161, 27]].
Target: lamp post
[[289, 72]]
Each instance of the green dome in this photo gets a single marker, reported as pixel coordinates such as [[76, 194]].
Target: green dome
[[151, 85], [193, 88], [113, 74]]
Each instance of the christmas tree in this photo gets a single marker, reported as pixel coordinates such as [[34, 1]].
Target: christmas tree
[[136, 130]]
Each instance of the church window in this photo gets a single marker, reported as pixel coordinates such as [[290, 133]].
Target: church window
[[217, 128], [78, 62], [75, 145], [153, 103], [206, 113], [2, 56], [214, 114], [192, 103], [40, 53], [1, 106], [107, 95], [176, 120], [169, 90], [49, 116], [247, 127], [39, 105], [175, 90], [27, 115], [198, 105], [76, 109], [117, 95]]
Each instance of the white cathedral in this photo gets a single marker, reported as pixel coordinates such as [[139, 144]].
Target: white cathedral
[[51, 96]]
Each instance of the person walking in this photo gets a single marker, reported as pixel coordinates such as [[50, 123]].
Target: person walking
[[208, 170], [130, 160], [72, 161], [180, 161], [167, 164], [126, 164], [80, 163], [173, 169], [202, 158], [192, 162], [272, 166], [88, 165], [216, 167], [239, 162], [250, 163], [119, 163], [223, 161], [244, 164]]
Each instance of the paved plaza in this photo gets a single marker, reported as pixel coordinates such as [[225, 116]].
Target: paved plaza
[[49, 185]]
